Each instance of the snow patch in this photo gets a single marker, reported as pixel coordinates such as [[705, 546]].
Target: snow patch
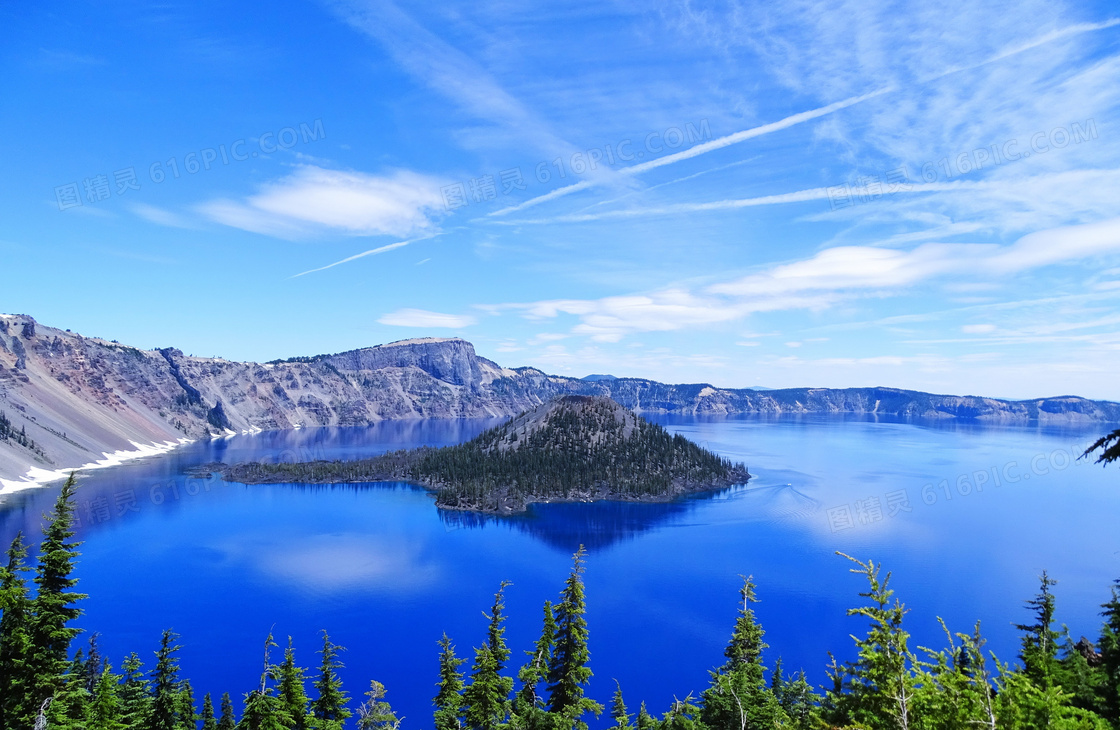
[[37, 477]]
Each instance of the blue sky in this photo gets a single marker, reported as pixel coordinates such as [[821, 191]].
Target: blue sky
[[781, 194]]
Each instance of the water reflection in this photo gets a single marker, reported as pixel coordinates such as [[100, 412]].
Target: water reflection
[[566, 526], [387, 572]]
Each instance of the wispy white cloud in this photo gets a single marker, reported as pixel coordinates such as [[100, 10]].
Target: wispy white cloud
[[799, 196], [451, 72], [421, 318], [313, 200], [372, 252], [1036, 42], [160, 216], [831, 276], [1016, 202], [697, 150]]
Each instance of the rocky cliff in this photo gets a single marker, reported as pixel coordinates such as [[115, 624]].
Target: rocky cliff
[[75, 398]]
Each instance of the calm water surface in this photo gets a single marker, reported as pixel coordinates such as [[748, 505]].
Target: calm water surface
[[964, 515]]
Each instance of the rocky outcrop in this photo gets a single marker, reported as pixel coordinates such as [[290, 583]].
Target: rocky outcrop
[[78, 397]]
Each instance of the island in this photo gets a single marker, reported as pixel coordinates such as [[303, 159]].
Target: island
[[571, 449]]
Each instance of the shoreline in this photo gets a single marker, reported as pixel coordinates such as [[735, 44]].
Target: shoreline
[[507, 510], [39, 477]]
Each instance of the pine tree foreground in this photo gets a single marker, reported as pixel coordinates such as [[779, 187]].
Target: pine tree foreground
[[1060, 685]]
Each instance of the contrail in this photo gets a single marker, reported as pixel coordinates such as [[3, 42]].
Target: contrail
[[363, 254], [701, 149], [805, 116]]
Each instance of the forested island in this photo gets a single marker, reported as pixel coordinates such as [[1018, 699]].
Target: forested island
[[573, 448]]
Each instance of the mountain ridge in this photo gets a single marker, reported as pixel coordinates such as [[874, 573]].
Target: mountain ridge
[[79, 398]]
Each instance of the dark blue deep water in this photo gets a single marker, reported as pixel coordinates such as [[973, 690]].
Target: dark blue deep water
[[965, 516]]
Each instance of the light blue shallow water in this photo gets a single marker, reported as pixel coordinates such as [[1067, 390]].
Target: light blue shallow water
[[965, 515]]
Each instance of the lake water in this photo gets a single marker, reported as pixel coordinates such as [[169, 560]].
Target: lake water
[[965, 515]]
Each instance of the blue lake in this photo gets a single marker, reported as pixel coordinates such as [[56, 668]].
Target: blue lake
[[965, 515]]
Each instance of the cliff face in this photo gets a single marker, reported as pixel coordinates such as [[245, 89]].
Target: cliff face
[[78, 397]]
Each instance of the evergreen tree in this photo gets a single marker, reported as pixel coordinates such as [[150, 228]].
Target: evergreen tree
[[70, 703], [529, 710], [1109, 446], [800, 702], [777, 678], [1021, 704], [1110, 657], [879, 684], [1040, 641], [644, 720], [53, 606], [487, 697], [568, 671], [188, 719], [738, 698], [535, 670], [263, 709], [263, 712], [94, 663], [165, 710], [618, 709], [952, 687], [227, 721], [106, 711], [796, 698], [682, 715], [329, 708], [209, 722], [136, 702], [291, 687], [375, 713], [449, 699], [1076, 676], [978, 666], [15, 634]]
